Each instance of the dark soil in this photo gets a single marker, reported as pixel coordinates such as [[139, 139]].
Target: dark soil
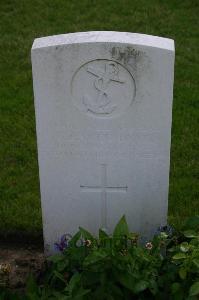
[[21, 262]]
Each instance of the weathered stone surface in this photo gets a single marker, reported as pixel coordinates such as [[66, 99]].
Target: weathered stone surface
[[103, 105]]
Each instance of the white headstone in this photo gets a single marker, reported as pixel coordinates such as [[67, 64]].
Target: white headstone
[[103, 113]]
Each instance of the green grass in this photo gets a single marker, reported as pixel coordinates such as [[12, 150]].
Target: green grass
[[23, 20]]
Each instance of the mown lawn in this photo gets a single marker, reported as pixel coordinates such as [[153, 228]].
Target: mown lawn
[[23, 20]]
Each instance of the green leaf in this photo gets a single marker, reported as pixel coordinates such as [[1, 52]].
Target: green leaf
[[74, 282], [60, 276], [153, 286], [104, 239], [121, 228], [194, 289], [140, 286], [80, 293], [103, 235], [196, 262], [95, 257], [55, 258], [115, 290], [179, 256], [176, 287], [182, 273], [62, 264], [85, 234], [74, 239], [190, 233], [172, 249], [127, 280], [184, 247], [32, 288]]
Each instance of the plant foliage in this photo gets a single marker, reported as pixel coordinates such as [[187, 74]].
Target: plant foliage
[[119, 267]]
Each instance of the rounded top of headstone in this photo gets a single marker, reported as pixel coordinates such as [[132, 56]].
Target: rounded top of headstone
[[104, 36]]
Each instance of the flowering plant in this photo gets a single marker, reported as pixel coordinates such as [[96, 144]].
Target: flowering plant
[[119, 267]]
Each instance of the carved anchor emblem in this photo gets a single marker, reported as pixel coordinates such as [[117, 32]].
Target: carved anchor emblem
[[102, 104]]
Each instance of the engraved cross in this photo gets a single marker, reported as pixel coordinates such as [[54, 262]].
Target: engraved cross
[[103, 188]]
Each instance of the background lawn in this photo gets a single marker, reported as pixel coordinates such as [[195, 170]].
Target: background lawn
[[23, 20]]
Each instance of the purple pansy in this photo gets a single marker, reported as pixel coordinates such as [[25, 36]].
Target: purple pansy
[[63, 244]]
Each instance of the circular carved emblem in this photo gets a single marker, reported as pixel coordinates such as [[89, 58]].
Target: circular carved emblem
[[103, 88]]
